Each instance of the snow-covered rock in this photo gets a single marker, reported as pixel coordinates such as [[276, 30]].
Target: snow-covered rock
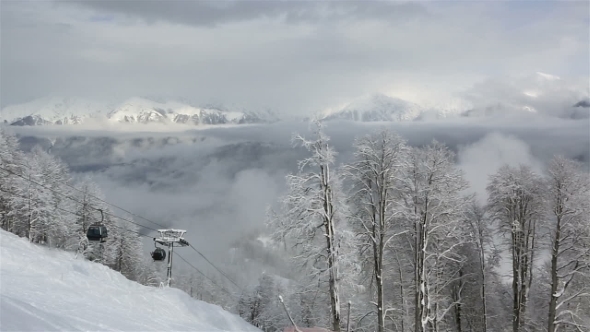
[[49, 290]]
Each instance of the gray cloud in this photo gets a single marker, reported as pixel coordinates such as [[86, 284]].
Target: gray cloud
[[484, 157], [296, 56], [211, 13]]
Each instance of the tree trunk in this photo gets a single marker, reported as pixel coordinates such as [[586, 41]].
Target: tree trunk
[[401, 294], [331, 248], [457, 299], [378, 254], [483, 283], [554, 279], [515, 284], [417, 280]]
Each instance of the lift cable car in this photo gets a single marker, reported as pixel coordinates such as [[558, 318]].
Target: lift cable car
[[158, 254], [97, 231]]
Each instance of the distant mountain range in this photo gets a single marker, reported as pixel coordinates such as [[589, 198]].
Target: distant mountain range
[[539, 93], [65, 111], [377, 107]]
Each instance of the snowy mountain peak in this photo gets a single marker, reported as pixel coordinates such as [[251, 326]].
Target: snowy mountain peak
[[57, 110], [377, 107], [133, 110]]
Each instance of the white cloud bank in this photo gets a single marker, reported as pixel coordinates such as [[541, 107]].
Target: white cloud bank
[[484, 157]]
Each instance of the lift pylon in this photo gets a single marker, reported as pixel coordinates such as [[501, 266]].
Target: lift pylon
[[171, 238]]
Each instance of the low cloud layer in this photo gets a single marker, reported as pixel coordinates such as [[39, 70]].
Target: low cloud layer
[[217, 183], [484, 157]]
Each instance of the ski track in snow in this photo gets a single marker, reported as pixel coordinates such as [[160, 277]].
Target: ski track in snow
[[44, 289]]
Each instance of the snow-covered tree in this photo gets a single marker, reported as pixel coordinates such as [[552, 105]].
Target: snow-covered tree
[[260, 306], [568, 205], [88, 199], [515, 202], [436, 211], [151, 273], [11, 160], [311, 219], [381, 160], [55, 177], [124, 248], [32, 203], [485, 258]]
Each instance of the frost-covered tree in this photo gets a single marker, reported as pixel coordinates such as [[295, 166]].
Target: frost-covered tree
[[88, 199], [311, 220], [260, 306], [568, 205], [87, 204], [515, 202], [381, 160], [34, 195], [485, 258], [435, 208], [11, 161], [55, 177], [32, 202], [151, 273], [125, 250]]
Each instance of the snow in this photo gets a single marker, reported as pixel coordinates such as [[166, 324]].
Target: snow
[[72, 110], [46, 289], [376, 107], [133, 110]]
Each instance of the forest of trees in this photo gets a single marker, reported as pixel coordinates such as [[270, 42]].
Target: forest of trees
[[396, 233], [39, 200], [393, 235]]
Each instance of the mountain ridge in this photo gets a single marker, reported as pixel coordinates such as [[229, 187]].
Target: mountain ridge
[[541, 94], [72, 111]]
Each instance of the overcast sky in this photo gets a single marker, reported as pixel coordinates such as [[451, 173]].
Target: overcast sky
[[297, 56]]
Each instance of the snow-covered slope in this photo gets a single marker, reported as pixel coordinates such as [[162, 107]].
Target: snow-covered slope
[[49, 290], [377, 107], [140, 110]]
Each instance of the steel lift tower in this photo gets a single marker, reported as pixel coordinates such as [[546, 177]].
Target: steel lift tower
[[171, 238]]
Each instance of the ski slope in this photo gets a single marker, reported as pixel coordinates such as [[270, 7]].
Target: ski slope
[[46, 289]]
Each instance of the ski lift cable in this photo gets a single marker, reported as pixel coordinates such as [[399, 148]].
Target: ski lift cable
[[131, 231], [69, 197], [108, 203], [201, 273], [215, 267], [70, 212], [75, 200], [118, 207]]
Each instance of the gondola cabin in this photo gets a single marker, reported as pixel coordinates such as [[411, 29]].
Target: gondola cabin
[[97, 233], [159, 254]]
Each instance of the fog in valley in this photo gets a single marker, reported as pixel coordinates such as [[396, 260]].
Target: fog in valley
[[218, 183]]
